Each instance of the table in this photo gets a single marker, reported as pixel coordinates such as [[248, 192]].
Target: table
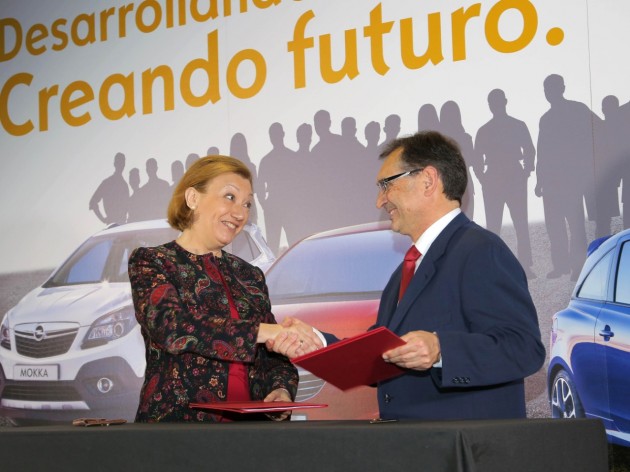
[[461, 446]]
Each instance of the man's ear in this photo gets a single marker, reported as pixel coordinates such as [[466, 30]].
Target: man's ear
[[430, 179]]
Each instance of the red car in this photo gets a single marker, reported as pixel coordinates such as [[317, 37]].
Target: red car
[[333, 281]]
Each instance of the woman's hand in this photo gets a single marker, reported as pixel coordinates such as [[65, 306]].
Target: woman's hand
[[292, 338], [279, 395]]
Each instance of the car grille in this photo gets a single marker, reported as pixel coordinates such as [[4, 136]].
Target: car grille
[[309, 386], [54, 343], [41, 392]]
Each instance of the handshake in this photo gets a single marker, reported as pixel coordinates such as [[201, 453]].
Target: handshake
[[293, 338]]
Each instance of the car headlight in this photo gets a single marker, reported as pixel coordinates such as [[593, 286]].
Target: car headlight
[[110, 327], [5, 335]]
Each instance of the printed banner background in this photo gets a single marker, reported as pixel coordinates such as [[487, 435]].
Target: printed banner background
[[65, 164], [264, 96]]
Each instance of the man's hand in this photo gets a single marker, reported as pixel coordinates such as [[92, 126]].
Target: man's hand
[[296, 339], [421, 351]]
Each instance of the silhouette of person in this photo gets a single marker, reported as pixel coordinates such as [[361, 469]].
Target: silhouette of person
[[372, 135], [155, 194], [135, 203], [213, 151], [505, 145], [190, 159], [451, 125], [565, 176], [610, 136], [304, 169], [275, 193], [330, 175], [372, 166], [177, 171], [349, 136], [304, 136], [428, 118], [391, 128], [624, 166], [327, 138], [360, 168], [113, 194], [238, 149]]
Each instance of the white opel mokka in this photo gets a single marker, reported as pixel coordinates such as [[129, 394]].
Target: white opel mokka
[[72, 347]]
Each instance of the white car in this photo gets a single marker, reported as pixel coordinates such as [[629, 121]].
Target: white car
[[72, 347]]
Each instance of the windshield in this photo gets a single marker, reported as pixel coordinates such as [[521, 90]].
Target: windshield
[[105, 258], [348, 266], [244, 247]]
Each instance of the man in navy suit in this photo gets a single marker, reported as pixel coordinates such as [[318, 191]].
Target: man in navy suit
[[468, 320], [467, 317]]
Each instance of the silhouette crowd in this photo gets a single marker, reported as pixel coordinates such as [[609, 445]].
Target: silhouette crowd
[[581, 161]]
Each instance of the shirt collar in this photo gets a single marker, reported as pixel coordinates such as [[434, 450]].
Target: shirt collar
[[426, 239]]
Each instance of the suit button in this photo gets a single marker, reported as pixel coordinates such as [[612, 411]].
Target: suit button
[[388, 398], [455, 380]]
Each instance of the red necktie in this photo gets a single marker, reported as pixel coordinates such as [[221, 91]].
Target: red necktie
[[409, 267]]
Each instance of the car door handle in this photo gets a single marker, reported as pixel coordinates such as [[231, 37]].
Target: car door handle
[[606, 333]]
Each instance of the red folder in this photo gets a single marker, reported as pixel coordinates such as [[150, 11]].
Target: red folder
[[256, 407], [354, 361]]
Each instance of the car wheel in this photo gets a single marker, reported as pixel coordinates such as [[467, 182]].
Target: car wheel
[[565, 402]]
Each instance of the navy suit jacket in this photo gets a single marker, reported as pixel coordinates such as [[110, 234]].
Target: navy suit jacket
[[471, 290]]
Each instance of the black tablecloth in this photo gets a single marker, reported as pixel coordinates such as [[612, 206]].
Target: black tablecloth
[[462, 446]]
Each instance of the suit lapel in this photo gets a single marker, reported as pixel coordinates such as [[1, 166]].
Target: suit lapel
[[389, 299], [423, 275]]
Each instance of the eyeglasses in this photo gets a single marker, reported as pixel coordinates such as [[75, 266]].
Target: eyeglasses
[[383, 184]]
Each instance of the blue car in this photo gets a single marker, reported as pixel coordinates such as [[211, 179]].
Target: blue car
[[589, 367]]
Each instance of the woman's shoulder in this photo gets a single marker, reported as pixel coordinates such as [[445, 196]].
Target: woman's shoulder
[[166, 250]]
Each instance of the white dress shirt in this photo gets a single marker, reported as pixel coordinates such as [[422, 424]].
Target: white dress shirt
[[426, 239]]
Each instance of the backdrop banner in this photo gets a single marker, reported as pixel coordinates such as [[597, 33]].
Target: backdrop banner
[[104, 104]]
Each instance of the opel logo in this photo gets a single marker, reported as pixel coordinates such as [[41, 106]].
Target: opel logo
[[39, 333]]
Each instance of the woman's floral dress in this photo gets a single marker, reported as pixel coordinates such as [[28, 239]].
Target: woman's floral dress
[[190, 337]]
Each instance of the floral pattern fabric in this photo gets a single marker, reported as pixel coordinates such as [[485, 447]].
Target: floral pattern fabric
[[191, 339]]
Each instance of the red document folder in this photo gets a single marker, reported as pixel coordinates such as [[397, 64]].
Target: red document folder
[[354, 361], [256, 407]]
